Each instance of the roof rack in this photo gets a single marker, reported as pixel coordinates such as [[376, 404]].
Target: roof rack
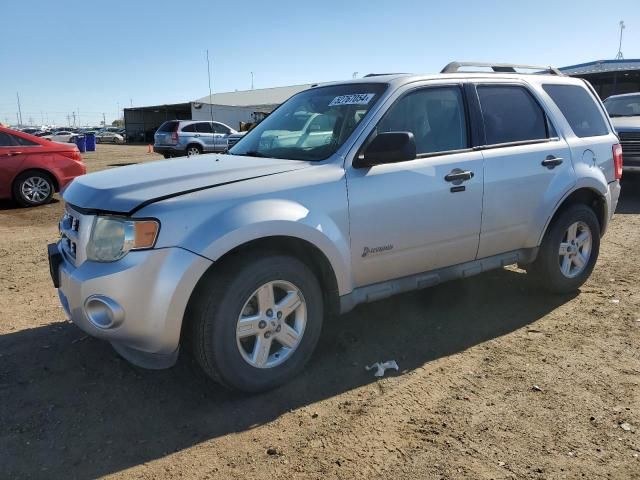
[[454, 67], [380, 74]]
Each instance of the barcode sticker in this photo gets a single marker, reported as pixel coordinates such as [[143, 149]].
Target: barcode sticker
[[354, 99]]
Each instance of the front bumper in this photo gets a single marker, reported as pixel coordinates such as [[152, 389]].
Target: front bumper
[[137, 303]]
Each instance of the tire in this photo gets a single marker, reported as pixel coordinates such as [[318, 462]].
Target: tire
[[34, 188], [166, 155], [193, 149], [231, 290], [549, 269]]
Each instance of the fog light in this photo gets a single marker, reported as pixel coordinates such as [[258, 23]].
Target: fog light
[[103, 312]]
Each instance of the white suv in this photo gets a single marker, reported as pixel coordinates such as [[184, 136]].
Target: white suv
[[347, 193]]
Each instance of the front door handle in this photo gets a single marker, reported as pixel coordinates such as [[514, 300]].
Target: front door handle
[[551, 162], [458, 175]]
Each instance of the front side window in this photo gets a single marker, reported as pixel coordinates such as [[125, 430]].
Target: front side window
[[511, 114], [579, 108], [435, 116], [624, 106], [204, 127], [218, 128], [313, 124]]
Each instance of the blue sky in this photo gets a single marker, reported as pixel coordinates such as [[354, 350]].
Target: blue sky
[[91, 57]]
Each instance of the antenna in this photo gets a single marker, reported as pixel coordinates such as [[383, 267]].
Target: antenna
[[619, 56], [210, 95], [19, 109]]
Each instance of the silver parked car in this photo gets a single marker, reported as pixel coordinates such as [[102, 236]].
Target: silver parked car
[[348, 193], [177, 138], [624, 111]]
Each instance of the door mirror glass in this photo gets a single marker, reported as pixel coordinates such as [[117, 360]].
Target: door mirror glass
[[388, 147]]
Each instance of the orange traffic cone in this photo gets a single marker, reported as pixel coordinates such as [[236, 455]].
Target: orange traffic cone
[[149, 149]]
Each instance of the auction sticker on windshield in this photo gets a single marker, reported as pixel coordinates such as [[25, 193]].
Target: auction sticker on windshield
[[354, 99]]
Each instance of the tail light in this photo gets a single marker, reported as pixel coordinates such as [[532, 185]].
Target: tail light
[[174, 134], [72, 154], [617, 160]]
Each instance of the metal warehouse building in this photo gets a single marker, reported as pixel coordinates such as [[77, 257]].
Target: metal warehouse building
[[608, 77], [230, 108]]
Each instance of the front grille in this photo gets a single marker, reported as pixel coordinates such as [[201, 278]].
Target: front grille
[[630, 142], [69, 228], [75, 230]]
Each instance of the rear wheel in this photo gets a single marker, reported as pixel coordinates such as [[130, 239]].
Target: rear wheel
[[256, 321], [31, 189], [569, 250], [194, 150]]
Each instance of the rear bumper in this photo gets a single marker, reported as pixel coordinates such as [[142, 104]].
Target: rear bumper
[[136, 303], [613, 194], [175, 150]]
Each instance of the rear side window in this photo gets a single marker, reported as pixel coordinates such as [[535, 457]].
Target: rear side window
[[5, 140], [579, 108], [189, 128], [204, 127], [511, 114], [23, 141], [168, 127]]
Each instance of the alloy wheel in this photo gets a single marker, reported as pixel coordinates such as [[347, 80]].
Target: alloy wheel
[[575, 249], [271, 324], [35, 189]]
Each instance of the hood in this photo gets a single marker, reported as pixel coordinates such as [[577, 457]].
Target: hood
[[127, 189], [622, 124]]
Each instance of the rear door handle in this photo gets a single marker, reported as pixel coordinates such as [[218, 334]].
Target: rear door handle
[[459, 175], [551, 162]]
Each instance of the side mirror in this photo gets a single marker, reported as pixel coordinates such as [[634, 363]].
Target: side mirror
[[388, 147]]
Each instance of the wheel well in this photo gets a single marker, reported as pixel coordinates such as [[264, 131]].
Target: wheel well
[[53, 178], [587, 197], [194, 144], [304, 251]]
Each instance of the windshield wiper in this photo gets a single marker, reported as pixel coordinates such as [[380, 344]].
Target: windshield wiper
[[254, 153]]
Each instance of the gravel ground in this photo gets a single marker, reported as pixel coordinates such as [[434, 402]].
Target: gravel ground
[[497, 380]]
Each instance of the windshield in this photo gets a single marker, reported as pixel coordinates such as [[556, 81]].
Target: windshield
[[627, 106], [311, 125]]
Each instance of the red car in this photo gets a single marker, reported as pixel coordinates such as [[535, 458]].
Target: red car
[[33, 168]]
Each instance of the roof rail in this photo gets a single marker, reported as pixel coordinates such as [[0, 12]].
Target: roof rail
[[381, 74], [454, 67]]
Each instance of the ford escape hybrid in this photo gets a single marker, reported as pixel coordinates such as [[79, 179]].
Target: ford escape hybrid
[[348, 193]]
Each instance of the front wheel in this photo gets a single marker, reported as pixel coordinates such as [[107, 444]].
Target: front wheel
[[256, 321], [569, 250]]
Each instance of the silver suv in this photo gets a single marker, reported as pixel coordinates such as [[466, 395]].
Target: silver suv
[[348, 193], [177, 138]]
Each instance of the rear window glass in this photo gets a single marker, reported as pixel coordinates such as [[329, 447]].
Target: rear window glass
[[579, 108], [5, 140], [168, 127], [511, 114]]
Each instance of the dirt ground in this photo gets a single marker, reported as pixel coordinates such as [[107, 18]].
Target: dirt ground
[[496, 380]]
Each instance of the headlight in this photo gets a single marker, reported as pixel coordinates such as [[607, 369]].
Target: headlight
[[113, 237]]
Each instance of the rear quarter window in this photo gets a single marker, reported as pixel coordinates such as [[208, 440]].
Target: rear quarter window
[[168, 127], [579, 108]]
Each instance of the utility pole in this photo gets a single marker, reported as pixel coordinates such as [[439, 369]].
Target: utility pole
[[355, 75], [210, 94], [619, 56], [19, 109], [251, 80], [74, 118], [104, 120], [131, 102], [68, 119]]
